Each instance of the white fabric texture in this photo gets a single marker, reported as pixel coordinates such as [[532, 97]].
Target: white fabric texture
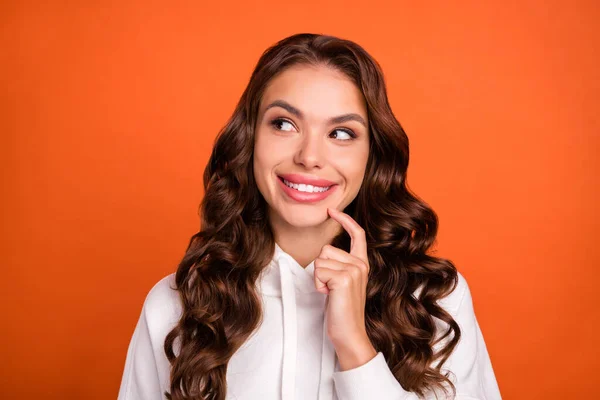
[[290, 357]]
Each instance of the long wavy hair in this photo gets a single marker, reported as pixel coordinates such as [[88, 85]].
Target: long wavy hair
[[216, 278]]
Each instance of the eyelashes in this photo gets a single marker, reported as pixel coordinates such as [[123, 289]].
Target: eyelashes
[[277, 122]]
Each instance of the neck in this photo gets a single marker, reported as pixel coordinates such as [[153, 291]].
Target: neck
[[304, 243]]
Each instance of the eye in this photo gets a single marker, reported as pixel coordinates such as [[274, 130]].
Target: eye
[[345, 132], [282, 124]]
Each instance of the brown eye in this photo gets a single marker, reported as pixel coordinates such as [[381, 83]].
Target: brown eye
[[345, 133], [282, 124]]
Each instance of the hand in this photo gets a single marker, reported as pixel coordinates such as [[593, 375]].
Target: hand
[[344, 278]]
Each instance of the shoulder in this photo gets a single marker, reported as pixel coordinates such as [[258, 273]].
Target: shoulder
[[162, 306], [455, 300]]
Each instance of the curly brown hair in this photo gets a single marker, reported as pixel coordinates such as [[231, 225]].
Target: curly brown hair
[[216, 278]]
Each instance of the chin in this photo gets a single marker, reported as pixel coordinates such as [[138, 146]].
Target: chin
[[305, 219]]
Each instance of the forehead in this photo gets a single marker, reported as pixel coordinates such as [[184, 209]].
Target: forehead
[[315, 90]]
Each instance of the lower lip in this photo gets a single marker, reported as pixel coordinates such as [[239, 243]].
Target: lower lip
[[305, 197]]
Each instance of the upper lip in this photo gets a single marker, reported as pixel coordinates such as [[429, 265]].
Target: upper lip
[[307, 180]]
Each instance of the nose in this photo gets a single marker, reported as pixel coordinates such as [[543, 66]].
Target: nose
[[310, 152]]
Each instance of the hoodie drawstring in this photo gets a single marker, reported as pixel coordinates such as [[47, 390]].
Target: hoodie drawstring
[[290, 341]]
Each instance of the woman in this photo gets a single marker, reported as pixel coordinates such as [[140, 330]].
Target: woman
[[309, 278]]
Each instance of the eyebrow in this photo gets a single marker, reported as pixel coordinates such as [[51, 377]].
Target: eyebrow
[[334, 120]]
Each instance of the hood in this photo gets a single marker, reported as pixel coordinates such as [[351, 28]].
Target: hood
[[282, 277]]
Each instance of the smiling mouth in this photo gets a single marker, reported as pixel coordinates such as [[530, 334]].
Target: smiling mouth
[[305, 188]]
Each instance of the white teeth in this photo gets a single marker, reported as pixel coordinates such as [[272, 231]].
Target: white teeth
[[306, 188]]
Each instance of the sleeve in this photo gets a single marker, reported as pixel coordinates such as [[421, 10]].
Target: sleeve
[[140, 378], [372, 380], [470, 362], [469, 365]]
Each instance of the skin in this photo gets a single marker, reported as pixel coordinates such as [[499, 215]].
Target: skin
[[310, 144]]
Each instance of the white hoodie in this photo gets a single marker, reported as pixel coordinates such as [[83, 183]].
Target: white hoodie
[[290, 356]]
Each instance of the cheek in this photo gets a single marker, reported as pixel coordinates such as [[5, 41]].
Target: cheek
[[352, 168], [267, 155], [261, 152], [270, 150], [260, 170], [263, 160]]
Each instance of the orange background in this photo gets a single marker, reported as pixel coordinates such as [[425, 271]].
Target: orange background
[[109, 109]]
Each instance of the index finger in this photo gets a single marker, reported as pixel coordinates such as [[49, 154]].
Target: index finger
[[358, 240]]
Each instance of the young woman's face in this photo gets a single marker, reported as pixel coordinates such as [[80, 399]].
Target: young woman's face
[[312, 124]]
